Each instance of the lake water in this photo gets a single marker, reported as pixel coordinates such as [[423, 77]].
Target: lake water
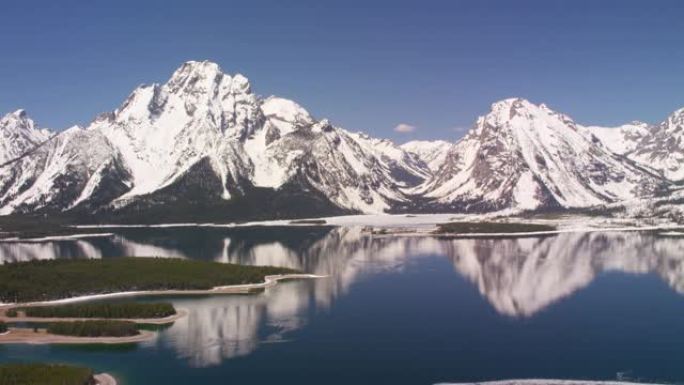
[[410, 310]]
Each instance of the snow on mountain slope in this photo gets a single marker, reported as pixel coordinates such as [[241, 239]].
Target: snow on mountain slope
[[162, 130], [393, 158], [18, 134], [663, 147], [67, 170], [203, 143], [621, 140], [202, 113], [659, 147], [204, 134], [432, 152], [355, 171], [523, 156]]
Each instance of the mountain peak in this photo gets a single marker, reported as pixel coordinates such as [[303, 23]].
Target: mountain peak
[[20, 113], [206, 77], [285, 110], [520, 113], [676, 118], [18, 119], [507, 109], [504, 113], [507, 104], [192, 66], [194, 74], [18, 134]]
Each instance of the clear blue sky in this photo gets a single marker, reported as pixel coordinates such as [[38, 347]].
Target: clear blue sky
[[366, 65]]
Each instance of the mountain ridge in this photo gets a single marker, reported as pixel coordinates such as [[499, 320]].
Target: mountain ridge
[[203, 119], [204, 141], [529, 157]]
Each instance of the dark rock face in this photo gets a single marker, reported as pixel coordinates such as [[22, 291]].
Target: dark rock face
[[196, 197]]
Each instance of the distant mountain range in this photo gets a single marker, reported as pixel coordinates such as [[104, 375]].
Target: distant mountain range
[[203, 147]]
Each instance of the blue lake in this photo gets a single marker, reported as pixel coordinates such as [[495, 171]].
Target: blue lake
[[401, 310]]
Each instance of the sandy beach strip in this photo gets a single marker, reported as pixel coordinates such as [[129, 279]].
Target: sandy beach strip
[[41, 337]]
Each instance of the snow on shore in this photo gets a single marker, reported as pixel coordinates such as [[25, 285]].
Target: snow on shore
[[422, 224]]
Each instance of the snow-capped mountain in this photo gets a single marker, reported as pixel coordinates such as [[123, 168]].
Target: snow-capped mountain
[[621, 140], [433, 153], [203, 146], [204, 139], [659, 147], [18, 135], [523, 156], [663, 147], [76, 166]]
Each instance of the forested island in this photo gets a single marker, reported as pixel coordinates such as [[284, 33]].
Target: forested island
[[128, 310], [491, 228], [35, 281], [44, 374], [98, 328]]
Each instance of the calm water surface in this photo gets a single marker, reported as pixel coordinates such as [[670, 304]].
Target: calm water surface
[[401, 310]]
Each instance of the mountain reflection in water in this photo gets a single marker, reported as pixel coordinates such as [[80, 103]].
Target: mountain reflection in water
[[518, 277]]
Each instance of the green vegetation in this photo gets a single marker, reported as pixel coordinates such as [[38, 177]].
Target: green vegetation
[[28, 374], [308, 222], [3, 327], [65, 278], [38, 226], [490, 227], [94, 328], [102, 310]]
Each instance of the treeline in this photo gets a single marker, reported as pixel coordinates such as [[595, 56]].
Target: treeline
[[99, 310], [3, 327], [491, 227], [94, 328], [43, 374], [65, 278]]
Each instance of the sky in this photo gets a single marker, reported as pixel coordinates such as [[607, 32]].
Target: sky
[[398, 69]]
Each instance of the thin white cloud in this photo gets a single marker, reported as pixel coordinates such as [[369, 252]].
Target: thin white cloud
[[404, 128]]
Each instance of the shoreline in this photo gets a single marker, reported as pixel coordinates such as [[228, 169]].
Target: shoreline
[[26, 336], [405, 221], [269, 281], [53, 238], [417, 233], [180, 313], [424, 224], [40, 337]]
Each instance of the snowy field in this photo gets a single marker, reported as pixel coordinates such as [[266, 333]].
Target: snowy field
[[426, 222]]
